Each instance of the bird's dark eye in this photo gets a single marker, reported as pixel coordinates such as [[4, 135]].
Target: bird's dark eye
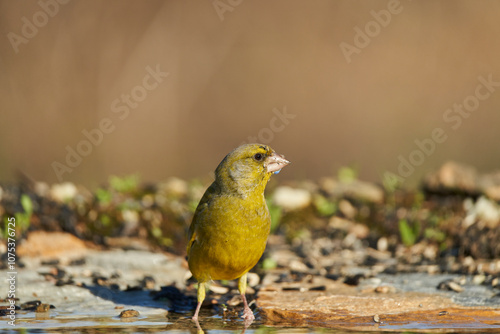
[[258, 156]]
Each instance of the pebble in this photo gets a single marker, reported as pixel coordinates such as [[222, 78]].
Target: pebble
[[478, 279], [235, 300], [63, 192], [452, 176], [382, 244], [129, 314], [291, 199], [42, 308], [219, 289], [253, 279], [490, 185], [31, 305], [385, 289], [450, 285], [148, 282], [355, 189], [175, 187], [376, 318], [347, 209]]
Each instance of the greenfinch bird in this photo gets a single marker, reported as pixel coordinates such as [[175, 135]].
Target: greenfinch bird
[[231, 224]]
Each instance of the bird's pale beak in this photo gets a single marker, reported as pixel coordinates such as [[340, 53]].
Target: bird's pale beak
[[275, 162]]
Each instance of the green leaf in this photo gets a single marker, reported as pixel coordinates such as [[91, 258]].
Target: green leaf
[[27, 204], [347, 174], [408, 235], [269, 263], [124, 184], [324, 206], [103, 196], [275, 212], [434, 234]]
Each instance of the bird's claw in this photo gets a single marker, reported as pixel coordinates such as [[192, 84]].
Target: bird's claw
[[248, 315]]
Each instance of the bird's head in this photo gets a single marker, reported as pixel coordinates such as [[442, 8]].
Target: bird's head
[[248, 168]]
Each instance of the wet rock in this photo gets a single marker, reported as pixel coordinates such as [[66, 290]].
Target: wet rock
[[354, 280], [291, 199], [129, 314], [43, 308], [31, 305], [346, 307], [453, 177]]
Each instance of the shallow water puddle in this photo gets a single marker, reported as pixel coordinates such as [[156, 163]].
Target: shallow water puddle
[[456, 320]]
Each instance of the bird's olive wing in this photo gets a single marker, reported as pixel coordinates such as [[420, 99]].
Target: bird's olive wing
[[199, 214]]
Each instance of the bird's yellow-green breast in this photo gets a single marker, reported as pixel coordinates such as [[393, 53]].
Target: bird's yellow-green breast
[[231, 224]]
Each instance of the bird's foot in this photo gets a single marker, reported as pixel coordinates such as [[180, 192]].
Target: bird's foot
[[248, 314]]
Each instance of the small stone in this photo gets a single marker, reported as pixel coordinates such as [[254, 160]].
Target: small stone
[[450, 285], [382, 244], [291, 199], [478, 279], [299, 266], [376, 318], [63, 192], [443, 313], [253, 279], [31, 305], [129, 314], [347, 209], [495, 282], [385, 289], [235, 301], [355, 189], [455, 287], [452, 177], [148, 282], [175, 187], [490, 185], [42, 308], [219, 289]]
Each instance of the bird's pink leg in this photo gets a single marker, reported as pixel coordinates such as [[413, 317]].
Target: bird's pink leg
[[201, 297], [242, 286]]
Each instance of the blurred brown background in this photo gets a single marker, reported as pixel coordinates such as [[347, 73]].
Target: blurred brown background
[[233, 66]]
